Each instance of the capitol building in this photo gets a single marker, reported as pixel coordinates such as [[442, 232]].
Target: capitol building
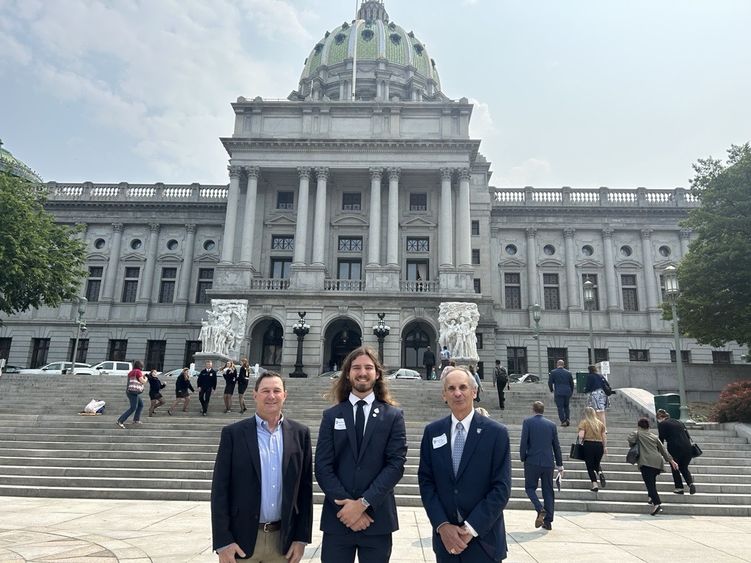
[[362, 194]]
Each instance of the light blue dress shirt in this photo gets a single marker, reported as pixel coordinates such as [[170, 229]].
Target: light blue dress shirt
[[270, 450]]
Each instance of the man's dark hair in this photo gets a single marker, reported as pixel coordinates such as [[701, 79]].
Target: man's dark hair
[[498, 362], [266, 374], [662, 413], [342, 387], [592, 369], [643, 423]]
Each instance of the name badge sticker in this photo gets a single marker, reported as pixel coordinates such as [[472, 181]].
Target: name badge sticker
[[339, 424], [440, 441]]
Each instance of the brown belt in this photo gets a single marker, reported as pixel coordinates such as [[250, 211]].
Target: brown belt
[[270, 526]]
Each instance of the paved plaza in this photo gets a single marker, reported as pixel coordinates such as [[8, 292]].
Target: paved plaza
[[41, 529]]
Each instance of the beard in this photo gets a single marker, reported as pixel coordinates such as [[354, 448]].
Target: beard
[[363, 386]]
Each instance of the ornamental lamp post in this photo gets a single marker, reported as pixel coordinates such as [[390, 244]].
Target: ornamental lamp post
[[589, 300], [536, 317], [381, 331], [80, 327], [670, 277], [300, 328]]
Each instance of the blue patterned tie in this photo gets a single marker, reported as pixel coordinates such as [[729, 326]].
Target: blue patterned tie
[[456, 452]]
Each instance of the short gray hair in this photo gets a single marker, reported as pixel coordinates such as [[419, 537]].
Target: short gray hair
[[448, 369]]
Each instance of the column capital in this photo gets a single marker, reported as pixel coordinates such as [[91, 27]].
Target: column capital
[[322, 173], [376, 173], [607, 232], [234, 171], [464, 174], [685, 233], [531, 232], [117, 227], [155, 227], [646, 233], [303, 172], [190, 228], [253, 171], [569, 232], [447, 173], [394, 173]]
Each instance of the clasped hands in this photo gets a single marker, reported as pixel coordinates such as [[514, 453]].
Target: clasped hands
[[455, 538], [353, 514]]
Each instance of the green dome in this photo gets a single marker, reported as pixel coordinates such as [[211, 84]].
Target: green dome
[[390, 62], [11, 165]]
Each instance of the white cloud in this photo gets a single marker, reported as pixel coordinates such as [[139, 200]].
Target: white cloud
[[531, 172]]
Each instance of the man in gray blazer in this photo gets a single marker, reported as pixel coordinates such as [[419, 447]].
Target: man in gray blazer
[[541, 453]]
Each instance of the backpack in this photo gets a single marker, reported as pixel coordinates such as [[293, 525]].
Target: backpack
[[501, 376]]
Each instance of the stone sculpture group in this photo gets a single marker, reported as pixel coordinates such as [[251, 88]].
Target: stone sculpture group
[[224, 330], [458, 323]]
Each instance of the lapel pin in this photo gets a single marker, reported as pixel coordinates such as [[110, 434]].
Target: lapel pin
[[376, 411], [479, 430]]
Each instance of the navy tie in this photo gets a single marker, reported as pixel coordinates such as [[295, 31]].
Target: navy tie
[[456, 451], [360, 423]]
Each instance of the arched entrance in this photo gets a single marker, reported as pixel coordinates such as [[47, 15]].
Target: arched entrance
[[266, 343], [418, 335], [342, 336]]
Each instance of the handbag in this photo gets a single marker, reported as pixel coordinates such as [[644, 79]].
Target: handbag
[[134, 386], [633, 454], [606, 387], [695, 450], [577, 451]]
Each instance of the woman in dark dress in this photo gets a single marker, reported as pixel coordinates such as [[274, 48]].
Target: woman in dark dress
[[242, 383], [230, 378], [155, 391], [183, 388]]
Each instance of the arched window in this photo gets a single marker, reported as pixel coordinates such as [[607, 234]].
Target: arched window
[[273, 340]]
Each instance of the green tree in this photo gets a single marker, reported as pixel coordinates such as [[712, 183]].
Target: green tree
[[715, 276], [41, 261]]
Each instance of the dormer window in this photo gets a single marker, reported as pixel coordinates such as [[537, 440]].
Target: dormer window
[[419, 48], [339, 38], [345, 25], [392, 26], [318, 48], [367, 34], [396, 39]]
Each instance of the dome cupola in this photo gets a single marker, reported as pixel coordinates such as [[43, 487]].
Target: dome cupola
[[11, 165]]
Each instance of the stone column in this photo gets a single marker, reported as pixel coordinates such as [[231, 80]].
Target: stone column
[[113, 262], [463, 224], [319, 227], [610, 285], [230, 217], [301, 229], [374, 230], [392, 245], [186, 271], [532, 294], [685, 235], [446, 224], [572, 283], [249, 225], [650, 282], [150, 266]]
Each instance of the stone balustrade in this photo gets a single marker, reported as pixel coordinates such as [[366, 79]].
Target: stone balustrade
[[343, 285], [269, 283], [409, 286], [597, 197], [176, 193]]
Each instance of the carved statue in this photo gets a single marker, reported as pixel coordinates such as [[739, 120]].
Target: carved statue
[[458, 322], [224, 331]]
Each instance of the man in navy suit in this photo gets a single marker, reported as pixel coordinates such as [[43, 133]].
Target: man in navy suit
[[561, 383], [360, 456], [539, 445], [465, 477], [262, 489]]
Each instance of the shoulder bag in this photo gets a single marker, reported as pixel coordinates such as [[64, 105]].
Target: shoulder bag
[[606, 387], [633, 453], [134, 386], [695, 449], [577, 450]]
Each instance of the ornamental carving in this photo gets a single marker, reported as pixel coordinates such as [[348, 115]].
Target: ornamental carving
[[685, 233], [322, 174], [117, 227], [394, 174], [458, 323], [464, 174], [224, 331], [569, 232], [531, 232], [234, 171], [190, 228], [253, 172], [446, 174], [607, 232], [376, 174], [646, 233], [303, 172]]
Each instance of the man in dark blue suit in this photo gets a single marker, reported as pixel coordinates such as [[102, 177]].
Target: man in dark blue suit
[[561, 384], [539, 445], [360, 456], [465, 477]]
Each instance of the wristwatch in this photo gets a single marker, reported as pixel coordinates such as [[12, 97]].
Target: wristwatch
[[364, 502]]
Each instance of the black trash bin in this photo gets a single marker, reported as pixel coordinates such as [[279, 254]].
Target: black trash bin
[[671, 402], [581, 381]]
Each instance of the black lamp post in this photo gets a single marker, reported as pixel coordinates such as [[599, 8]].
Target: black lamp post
[[301, 328], [381, 331], [536, 317], [670, 276], [81, 327], [589, 300]]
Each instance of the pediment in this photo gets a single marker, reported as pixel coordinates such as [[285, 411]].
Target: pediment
[[417, 222], [133, 257], [593, 264], [93, 256], [628, 265], [206, 258], [280, 221], [345, 220], [549, 263], [662, 264], [511, 263], [170, 257]]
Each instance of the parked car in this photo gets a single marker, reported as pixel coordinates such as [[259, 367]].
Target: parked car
[[55, 368], [11, 369], [525, 378], [178, 371], [107, 368], [404, 373], [331, 374]]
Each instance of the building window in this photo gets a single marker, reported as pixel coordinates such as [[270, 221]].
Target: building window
[[595, 292], [282, 242], [475, 256], [601, 355], [555, 354], [349, 269], [191, 348], [172, 245], [280, 268], [685, 356], [418, 201], [478, 285], [209, 245], [664, 251], [475, 228], [417, 270], [117, 350], [351, 201], [511, 249], [638, 355], [285, 200], [626, 251], [350, 244], [94, 283], [99, 243], [39, 349], [130, 284], [512, 290], [273, 340], [136, 244], [548, 249], [587, 250], [516, 359], [155, 350], [418, 244], [478, 335], [81, 352], [551, 292], [167, 285], [720, 357], [205, 282], [628, 289], [5, 347]]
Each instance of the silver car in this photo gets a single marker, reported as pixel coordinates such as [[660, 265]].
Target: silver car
[[55, 368]]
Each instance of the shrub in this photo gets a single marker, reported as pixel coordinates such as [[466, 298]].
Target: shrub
[[734, 404]]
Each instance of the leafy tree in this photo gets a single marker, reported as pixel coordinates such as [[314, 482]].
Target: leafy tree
[[41, 262], [715, 276]]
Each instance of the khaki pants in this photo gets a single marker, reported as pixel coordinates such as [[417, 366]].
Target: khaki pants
[[267, 548]]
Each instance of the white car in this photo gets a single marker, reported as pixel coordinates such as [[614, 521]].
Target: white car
[[108, 368], [526, 378], [404, 373], [56, 368], [178, 371]]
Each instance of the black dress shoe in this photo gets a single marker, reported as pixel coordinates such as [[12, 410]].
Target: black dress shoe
[[547, 526], [540, 518], [656, 510], [602, 479], [692, 489]]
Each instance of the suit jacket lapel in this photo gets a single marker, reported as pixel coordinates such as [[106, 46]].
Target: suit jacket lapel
[[473, 438], [374, 420], [345, 411], [289, 445], [251, 436], [444, 453]]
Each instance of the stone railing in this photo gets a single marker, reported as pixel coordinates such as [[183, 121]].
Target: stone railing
[[136, 192], [269, 283], [418, 286], [594, 197], [343, 285]]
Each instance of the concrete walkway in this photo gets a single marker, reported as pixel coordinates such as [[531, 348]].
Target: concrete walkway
[[40, 529]]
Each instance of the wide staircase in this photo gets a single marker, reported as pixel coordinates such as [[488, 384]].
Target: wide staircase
[[48, 450]]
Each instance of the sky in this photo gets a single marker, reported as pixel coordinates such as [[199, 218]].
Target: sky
[[579, 93]]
